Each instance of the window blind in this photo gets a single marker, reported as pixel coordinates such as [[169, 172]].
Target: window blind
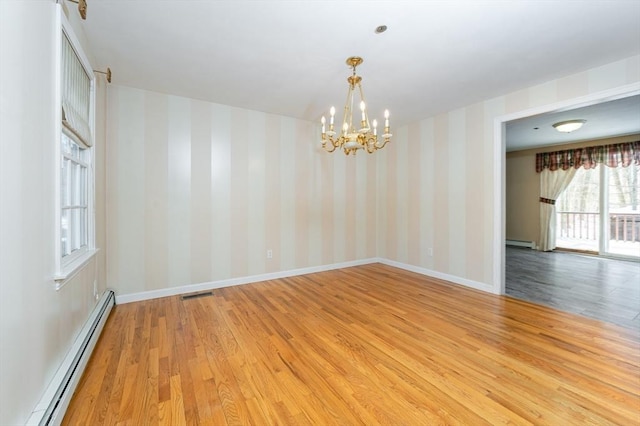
[[76, 96]]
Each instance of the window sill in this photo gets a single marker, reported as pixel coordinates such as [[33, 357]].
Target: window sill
[[71, 269]]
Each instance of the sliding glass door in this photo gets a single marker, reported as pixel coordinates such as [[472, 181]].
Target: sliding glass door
[[600, 212], [622, 211]]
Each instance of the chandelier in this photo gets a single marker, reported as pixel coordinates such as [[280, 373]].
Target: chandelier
[[354, 134]]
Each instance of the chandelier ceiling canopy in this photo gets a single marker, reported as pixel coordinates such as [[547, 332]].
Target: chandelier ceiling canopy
[[354, 134]]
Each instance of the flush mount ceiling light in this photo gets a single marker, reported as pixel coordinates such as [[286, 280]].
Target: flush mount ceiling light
[[569, 125], [355, 134]]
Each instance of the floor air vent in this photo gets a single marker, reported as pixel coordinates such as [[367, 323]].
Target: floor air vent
[[195, 295]]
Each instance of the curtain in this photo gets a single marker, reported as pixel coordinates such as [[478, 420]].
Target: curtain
[[557, 168], [613, 155], [552, 183]]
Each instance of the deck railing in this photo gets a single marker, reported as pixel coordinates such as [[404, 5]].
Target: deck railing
[[586, 226], [624, 227]]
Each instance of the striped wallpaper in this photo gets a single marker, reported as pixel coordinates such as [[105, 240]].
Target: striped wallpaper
[[436, 183], [198, 192], [437, 201]]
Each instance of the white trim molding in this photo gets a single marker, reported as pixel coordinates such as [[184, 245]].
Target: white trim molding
[[212, 285], [74, 267], [499, 173], [193, 288], [439, 275], [519, 243], [67, 267]]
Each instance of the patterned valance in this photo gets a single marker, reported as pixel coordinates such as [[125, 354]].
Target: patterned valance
[[614, 155]]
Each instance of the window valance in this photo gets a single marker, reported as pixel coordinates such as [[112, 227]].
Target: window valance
[[618, 154]]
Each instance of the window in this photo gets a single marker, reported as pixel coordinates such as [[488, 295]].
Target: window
[[74, 199], [74, 215]]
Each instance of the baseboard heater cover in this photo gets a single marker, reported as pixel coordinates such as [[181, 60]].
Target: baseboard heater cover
[[54, 403], [518, 243]]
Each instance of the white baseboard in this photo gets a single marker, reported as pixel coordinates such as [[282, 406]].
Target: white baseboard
[[518, 243], [439, 275], [193, 288]]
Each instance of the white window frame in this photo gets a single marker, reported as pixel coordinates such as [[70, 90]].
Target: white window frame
[[67, 266]]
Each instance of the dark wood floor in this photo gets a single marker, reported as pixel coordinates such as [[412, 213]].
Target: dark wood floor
[[592, 286]]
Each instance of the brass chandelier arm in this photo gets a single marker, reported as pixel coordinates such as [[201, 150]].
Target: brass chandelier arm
[[334, 144], [370, 146], [384, 142], [367, 141]]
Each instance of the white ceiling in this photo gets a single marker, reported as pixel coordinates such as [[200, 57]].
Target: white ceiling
[[288, 57], [613, 118]]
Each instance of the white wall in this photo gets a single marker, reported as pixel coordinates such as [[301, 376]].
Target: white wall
[[37, 323]]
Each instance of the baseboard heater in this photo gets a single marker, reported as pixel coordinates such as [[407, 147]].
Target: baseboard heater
[[518, 243], [54, 403]]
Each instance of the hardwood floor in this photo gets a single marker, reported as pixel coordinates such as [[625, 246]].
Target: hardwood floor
[[596, 287], [364, 345]]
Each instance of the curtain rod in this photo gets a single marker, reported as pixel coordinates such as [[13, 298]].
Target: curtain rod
[[107, 73], [82, 7]]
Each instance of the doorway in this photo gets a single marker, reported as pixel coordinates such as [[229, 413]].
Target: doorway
[[500, 150]]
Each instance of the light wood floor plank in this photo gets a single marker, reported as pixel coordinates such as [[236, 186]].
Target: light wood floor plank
[[365, 345]]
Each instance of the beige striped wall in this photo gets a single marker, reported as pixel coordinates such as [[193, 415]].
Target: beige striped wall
[[198, 192], [438, 190]]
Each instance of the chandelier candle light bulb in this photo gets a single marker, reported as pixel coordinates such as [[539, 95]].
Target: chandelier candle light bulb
[[352, 139], [331, 132]]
